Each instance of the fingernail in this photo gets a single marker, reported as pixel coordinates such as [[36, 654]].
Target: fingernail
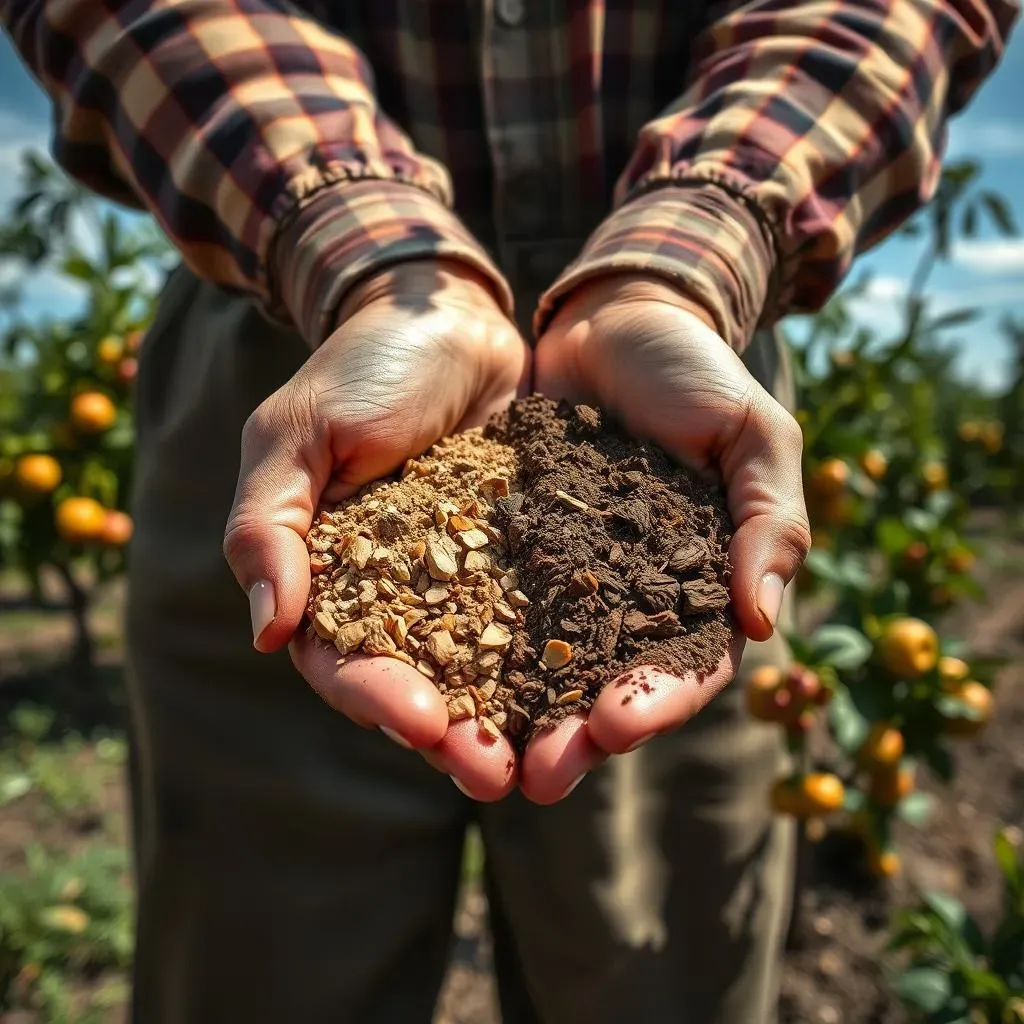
[[573, 785], [461, 788], [395, 737], [262, 607], [769, 596], [640, 742]]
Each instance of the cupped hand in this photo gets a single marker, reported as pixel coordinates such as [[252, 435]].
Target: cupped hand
[[423, 350], [637, 347]]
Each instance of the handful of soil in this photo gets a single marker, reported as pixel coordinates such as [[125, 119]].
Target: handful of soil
[[524, 566]]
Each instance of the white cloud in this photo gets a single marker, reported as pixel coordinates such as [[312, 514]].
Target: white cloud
[[992, 256], [986, 138], [17, 133]]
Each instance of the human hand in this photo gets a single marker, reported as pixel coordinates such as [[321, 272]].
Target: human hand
[[423, 350], [637, 347]]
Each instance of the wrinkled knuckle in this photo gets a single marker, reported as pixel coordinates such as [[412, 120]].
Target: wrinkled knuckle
[[795, 535], [239, 538], [791, 432]]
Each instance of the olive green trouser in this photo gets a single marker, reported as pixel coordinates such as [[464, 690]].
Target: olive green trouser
[[296, 869]]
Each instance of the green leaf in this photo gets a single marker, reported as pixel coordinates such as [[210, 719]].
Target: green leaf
[[1008, 947], [893, 536], [925, 988], [849, 726], [842, 647], [969, 221], [954, 318], [1000, 212], [1009, 863], [920, 521], [14, 787], [916, 808], [954, 916], [952, 707]]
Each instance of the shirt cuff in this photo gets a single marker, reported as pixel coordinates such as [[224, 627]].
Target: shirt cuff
[[349, 230], [705, 238]]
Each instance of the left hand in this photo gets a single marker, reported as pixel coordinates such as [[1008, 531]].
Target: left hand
[[637, 347]]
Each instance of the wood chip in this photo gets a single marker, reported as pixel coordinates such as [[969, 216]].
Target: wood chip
[[551, 696], [568, 499], [442, 647], [473, 539], [489, 729], [477, 561], [325, 626], [416, 550], [495, 637], [557, 654], [503, 613], [460, 708], [459, 523], [359, 552], [397, 627], [510, 581], [486, 689], [569, 697], [436, 596], [496, 485], [499, 718], [377, 640], [320, 563], [441, 556], [517, 599], [426, 668], [350, 636]]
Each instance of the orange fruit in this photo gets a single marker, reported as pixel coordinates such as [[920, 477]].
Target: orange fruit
[[109, 350], [953, 671], [835, 511], [127, 370], [762, 686], [883, 747], [960, 560], [992, 437], [908, 648], [117, 528], [80, 520], [884, 863], [935, 476], [821, 539], [873, 463], [975, 696], [822, 793], [969, 431], [804, 684], [890, 786], [830, 478], [916, 554], [92, 412], [37, 474], [843, 358]]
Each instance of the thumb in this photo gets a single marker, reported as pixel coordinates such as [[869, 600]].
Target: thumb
[[264, 542], [763, 477]]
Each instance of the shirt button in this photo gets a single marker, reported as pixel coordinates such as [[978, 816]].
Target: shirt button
[[511, 12]]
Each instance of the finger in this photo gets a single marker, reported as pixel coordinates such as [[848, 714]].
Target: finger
[[647, 700], [283, 468], [556, 761], [762, 471], [482, 766], [381, 693]]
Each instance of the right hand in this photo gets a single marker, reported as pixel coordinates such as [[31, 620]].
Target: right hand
[[423, 350]]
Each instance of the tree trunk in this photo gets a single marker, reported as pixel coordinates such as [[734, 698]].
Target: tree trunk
[[83, 654]]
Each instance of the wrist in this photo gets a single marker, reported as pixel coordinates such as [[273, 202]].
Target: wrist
[[438, 279], [630, 287]]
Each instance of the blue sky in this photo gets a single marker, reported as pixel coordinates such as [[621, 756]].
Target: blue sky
[[987, 272]]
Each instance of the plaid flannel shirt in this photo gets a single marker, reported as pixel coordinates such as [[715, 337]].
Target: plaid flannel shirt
[[744, 151]]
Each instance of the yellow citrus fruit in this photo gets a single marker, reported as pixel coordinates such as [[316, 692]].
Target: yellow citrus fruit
[[969, 431], [822, 793], [992, 437], [889, 786], [65, 918], [80, 520], [935, 476], [883, 747], [908, 648], [37, 474], [762, 686], [977, 697], [117, 528], [830, 478], [953, 671], [109, 350], [873, 463], [92, 412], [884, 863]]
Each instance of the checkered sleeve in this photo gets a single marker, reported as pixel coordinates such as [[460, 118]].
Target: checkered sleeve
[[808, 132], [234, 121]]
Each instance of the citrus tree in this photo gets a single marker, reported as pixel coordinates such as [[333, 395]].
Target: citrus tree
[[896, 451], [65, 423]]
